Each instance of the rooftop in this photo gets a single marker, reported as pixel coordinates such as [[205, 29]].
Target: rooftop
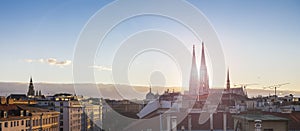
[[252, 117]]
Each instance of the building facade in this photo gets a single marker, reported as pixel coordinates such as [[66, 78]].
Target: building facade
[[70, 112], [27, 118]]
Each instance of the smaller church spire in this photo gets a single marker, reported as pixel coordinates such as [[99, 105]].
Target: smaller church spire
[[30, 88], [228, 80]]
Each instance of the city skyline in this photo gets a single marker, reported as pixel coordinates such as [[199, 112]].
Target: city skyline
[[259, 41]]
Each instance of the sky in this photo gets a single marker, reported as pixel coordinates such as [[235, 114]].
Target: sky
[[260, 41]]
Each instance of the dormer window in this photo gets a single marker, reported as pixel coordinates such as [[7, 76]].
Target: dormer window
[[5, 114], [21, 113]]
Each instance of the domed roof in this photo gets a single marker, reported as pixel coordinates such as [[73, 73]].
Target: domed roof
[[150, 95]]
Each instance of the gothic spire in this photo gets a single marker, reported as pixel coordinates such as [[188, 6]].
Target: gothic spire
[[30, 88], [193, 88], [228, 80], [204, 79]]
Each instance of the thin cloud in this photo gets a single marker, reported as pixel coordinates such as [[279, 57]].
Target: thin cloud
[[29, 60], [101, 68], [53, 61], [50, 61]]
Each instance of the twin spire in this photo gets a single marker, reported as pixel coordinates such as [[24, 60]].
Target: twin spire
[[199, 86], [193, 84]]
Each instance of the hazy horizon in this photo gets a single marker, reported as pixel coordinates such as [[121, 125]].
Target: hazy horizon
[[110, 92], [259, 43]]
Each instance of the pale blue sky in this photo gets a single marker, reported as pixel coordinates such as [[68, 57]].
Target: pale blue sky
[[260, 39]]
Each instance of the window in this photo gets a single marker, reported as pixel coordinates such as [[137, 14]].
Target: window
[[36, 122], [27, 123], [33, 122], [6, 124], [22, 122]]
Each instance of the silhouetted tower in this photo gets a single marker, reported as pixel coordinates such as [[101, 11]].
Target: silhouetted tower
[[193, 85], [228, 81], [31, 88], [204, 79]]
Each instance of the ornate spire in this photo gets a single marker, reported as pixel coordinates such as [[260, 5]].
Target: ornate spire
[[193, 88], [228, 80], [31, 88], [204, 79]]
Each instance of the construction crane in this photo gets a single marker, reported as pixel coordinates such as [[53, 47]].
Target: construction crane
[[245, 85], [275, 87]]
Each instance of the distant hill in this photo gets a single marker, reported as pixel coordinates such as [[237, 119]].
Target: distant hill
[[108, 90]]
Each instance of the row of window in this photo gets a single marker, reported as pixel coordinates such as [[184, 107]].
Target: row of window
[[12, 123], [37, 122]]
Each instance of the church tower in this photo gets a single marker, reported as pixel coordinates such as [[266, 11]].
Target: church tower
[[228, 81], [193, 85], [204, 79], [31, 88]]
